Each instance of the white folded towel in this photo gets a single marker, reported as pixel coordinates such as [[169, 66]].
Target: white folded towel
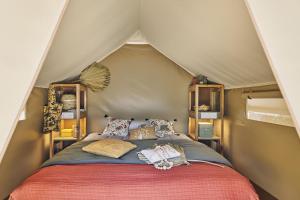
[[160, 153]]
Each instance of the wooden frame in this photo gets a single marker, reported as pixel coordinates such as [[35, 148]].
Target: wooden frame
[[194, 118], [80, 120]]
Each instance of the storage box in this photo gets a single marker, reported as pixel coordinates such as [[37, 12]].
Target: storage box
[[68, 115], [205, 130], [209, 115], [71, 114]]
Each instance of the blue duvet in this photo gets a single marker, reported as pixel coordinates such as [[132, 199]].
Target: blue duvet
[[193, 151]]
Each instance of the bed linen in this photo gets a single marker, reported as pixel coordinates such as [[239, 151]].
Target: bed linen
[[192, 149], [133, 181], [74, 174]]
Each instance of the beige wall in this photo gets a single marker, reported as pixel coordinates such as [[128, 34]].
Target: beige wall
[[144, 84], [28, 146], [266, 153]]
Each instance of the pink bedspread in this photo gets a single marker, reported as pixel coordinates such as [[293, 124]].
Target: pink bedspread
[[128, 181]]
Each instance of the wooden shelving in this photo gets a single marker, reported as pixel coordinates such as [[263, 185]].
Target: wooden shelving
[[75, 122], [65, 138], [210, 96]]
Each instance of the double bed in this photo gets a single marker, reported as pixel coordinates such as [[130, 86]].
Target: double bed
[[75, 174]]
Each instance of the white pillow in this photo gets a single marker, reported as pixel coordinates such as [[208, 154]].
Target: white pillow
[[135, 124]]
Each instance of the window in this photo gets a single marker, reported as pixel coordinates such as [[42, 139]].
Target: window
[[270, 110]]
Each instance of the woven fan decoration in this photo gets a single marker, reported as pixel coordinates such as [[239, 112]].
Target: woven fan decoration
[[95, 77]]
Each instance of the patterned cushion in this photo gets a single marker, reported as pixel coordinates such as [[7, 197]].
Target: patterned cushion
[[162, 127], [116, 127], [109, 147], [146, 133]]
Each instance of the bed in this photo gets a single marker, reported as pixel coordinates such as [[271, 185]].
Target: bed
[[75, 174]]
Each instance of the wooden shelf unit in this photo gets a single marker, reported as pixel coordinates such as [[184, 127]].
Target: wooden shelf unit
[[78, 123], [202, 94]]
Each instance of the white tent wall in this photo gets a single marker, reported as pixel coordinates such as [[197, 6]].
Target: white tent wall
[[211, 37], [278, 25], [27, 28], [89, 31]]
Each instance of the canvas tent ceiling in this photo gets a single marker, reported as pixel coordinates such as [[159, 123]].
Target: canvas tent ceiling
[[211, 37], [27, 30], [89, 31]]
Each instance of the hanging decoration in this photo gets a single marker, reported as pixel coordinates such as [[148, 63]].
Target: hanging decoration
[[52, 112], [95, 77]]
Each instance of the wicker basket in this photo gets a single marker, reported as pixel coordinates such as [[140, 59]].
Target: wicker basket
[[69, 101]]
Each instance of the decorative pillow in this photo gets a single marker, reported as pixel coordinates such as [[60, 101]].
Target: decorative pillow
[[147, 133], [109, 147], [137, 124], [162, 127], [116, 127]]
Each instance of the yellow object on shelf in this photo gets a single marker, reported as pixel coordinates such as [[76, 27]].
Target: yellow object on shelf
[[66, 132]]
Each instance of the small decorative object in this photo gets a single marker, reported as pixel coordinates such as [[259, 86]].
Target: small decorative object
[[74, 130], [164, 165], [204, 108], [202, 79], [194, 81], [69, 101]]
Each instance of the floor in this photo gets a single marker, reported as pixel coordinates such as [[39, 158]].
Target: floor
[[263, 195]]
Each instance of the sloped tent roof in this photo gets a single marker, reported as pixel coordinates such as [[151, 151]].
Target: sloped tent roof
[[210, 37]]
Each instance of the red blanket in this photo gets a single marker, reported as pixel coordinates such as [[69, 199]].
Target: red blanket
[[128, 181]]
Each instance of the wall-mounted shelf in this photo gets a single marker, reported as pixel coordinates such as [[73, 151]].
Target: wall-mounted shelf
[[206, 113]]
